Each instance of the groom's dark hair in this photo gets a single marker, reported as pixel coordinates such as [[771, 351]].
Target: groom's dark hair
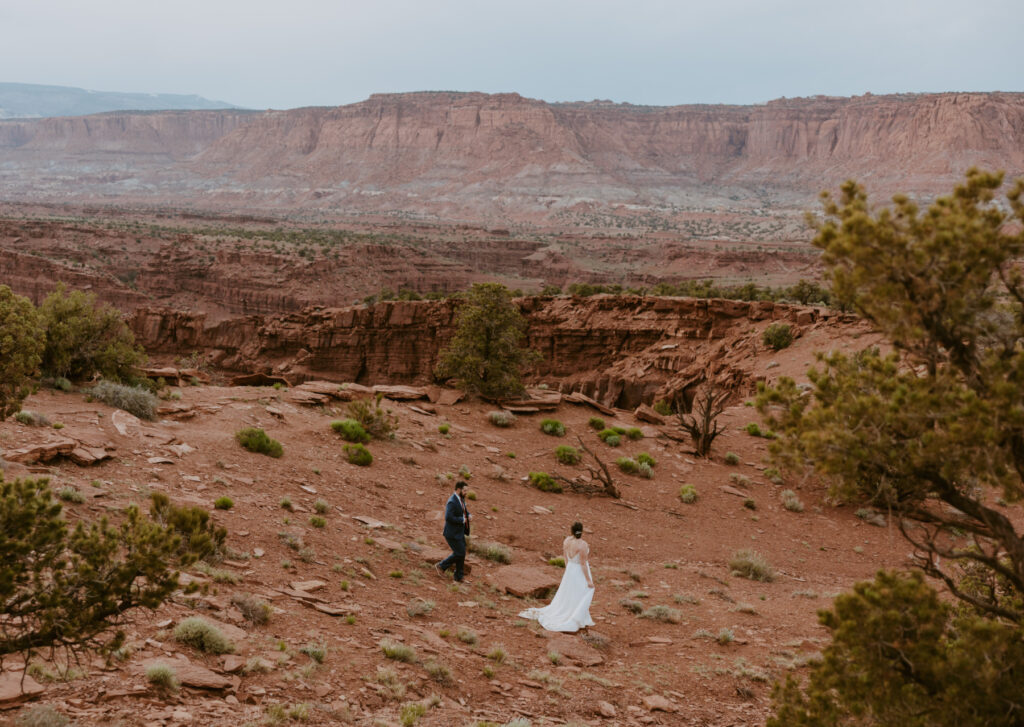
[[460, 485], [577, 529]]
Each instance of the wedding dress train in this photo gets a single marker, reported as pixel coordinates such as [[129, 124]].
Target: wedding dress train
[[569, 610]]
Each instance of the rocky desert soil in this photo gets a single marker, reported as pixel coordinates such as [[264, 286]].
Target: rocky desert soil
[[366, 576]]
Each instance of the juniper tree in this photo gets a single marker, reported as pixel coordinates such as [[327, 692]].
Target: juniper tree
[[67, 588], [21, 348], [486, 354], [932, 430]]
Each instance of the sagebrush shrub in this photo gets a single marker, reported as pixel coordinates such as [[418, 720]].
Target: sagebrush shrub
[[253, 608], [688, 494], [748, 563], [203, 636], [732, 458], [634, 433], [256, 440], [378, 422], [553, 427], [627, 465], [610, 437], [139, 402], [501, 418], [791, 502], [162, 676], [351, 431], [224, 503], [596, 423], [644, 458]]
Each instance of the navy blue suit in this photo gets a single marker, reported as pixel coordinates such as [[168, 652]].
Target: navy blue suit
[[456, 528]]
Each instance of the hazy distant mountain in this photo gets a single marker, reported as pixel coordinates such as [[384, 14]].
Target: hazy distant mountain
[[29, 100]]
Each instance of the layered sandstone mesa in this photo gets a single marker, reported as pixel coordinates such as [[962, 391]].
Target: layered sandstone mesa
[[621, 350], [500, 158]]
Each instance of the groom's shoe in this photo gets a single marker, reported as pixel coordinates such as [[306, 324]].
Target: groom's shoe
[[437, 568]]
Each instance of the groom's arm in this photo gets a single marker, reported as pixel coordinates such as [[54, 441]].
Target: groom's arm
[[453, 514]]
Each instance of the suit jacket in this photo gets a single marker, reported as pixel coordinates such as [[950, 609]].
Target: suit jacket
[[455, 524]]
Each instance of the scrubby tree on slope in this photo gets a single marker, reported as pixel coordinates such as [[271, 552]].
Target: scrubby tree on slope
[[933, 432], [21, 348]]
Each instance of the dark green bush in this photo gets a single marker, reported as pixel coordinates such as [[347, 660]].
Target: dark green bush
[[378, 422], [644, 458], [256, 440], [544, 482], [596, 423], [567, 455], [777, 336], [224, 503], [351, 431], [610, 437], [198, 533], [359, 455], [634, 433], [627, 465]]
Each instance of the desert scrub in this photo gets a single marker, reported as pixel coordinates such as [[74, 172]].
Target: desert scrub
[[255, 610], [316, 652], [544, 482], [410, 713], [70, 494], [31, 419], [773, 475], [567, 455], [634, 433], [645, 471], [286, 504], [725, 636], [419, 607], [732, 458], [627, 465], [438, 672], [558, 561], [317, 522], [224, 503], [43, 715], [688, 494], [750, 503], [610, 437], [644, 458], [747, 563], [397, 651], [256, 440], [663, 614], [777, 336], [378, 422], [791, 502], [596, 423], [553, 427], [501, 418], [321, 507], [351, 431], [491, 551], [632, 605], [662, 407], [140, 402], [466, 636], [498, 654], [443, 429], [162, 677], [203, 636], [358, 455]]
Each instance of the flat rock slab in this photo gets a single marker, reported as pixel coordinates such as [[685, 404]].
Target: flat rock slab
[[13, 690], [448, 397], [733, 491], [401, 393], [658, 703], [308, 586], [523, 581], [192, 675], [370, 522], [575, 650], [309, 398], [645, 413], [42, 452]]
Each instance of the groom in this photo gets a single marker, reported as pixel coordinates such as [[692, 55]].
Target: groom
[[456, 528]]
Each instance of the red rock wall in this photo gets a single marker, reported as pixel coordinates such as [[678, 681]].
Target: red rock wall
[[622, 349]]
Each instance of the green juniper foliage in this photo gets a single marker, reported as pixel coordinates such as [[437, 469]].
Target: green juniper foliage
[[21, 349], [69, 587], [486, 353], [933, 433]]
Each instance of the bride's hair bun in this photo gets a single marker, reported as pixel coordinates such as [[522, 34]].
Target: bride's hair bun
[[577, 529]]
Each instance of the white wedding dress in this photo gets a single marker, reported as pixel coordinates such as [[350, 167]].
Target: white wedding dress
[[569, 610]]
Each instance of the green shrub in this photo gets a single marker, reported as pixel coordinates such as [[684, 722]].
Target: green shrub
[[162, 676], [732, 458], [750, 503], [553, 427], [544, 482], [444, 428], [501, 418], [498, 654], [71, 494], [438, 672], [378, 422], [596, 423], [791, 502], [566, 454], [140, 402], [491, 551], [466, 636], [645, 471], [62, 383], [419, 607], [359, 455], [753, 429], [634, 433], [634, 607], [644, 458], [317, 522], [410, 713], [31, 419], [688, 494], [43, 715], [224, 503], [203, 636], [773, 475], [609, 436], [663, 614], [351, 431], [321, 507], [748, 563], [254, 609], [198, 533], [84, 339], [558, 561], [286, 504], [627, 465], [316, 652], [256, 440], [777, 336], [662, 407]]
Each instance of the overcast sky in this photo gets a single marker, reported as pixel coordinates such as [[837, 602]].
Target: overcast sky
[[288, 53]]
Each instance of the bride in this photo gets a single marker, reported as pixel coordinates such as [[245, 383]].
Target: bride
[[569, 610]]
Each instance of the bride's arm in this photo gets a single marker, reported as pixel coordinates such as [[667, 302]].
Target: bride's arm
[[585, 565]]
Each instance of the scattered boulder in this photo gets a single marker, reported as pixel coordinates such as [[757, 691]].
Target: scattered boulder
[[658, 703], [645, 413], [605, 709], [192, 675], [522, 581], [14, 690], [574, 650], [401, 393]]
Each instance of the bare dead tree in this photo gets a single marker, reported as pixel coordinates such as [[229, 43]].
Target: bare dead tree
[[702, 423], [600, 481]]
